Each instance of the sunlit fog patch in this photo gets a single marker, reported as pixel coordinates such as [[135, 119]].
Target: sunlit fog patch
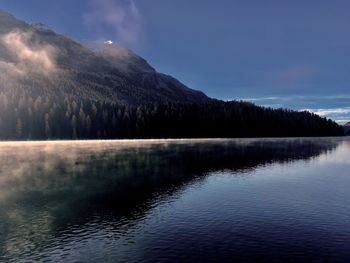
[[28, 57]]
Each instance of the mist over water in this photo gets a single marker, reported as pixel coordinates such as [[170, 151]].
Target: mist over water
[[171, 200]]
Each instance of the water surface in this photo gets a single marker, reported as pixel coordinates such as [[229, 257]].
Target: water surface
[[247, 200]]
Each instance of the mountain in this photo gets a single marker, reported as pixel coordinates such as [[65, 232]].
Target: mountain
[[103, 71], [52, 87], [347, 128]]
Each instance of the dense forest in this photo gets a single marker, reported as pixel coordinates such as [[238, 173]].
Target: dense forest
[[24, 117]]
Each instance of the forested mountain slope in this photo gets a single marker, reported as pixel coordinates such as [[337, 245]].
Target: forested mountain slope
[[52, 87], [39, 61]]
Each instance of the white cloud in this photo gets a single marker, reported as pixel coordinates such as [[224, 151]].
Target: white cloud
[[293, 97], [120, 16], [340, 115], [328, 112], [335, 107]]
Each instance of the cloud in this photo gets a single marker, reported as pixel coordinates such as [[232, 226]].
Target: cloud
[[299, 97], [335, 107], [122, 17], [340, 115], [28, 57], [327, 112]]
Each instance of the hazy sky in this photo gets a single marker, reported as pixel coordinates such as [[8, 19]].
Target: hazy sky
[[278, 53]]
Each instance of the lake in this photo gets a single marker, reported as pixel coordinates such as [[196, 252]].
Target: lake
[[241, 200]]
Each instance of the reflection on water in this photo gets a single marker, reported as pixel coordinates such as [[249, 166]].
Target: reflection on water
[[112, 200]]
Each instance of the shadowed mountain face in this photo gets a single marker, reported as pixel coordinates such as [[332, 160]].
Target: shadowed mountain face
[[347, 128], [40, 61]]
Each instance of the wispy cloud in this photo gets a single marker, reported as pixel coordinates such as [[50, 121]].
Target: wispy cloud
[[328, 112], [340, 115], [299, 97], [122, 17], [335, 107]]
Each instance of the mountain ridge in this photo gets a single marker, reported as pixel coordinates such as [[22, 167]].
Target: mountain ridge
[[126, 79]]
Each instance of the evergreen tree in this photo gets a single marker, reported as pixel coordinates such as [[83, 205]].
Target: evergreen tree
[[19, 128]]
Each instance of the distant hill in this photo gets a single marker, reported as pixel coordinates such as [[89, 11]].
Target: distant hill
[[347, 128], [52, 87]]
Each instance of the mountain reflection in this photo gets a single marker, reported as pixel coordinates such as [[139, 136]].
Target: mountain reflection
[[46, 187]]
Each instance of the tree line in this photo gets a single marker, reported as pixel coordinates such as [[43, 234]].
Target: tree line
[[24, 117]]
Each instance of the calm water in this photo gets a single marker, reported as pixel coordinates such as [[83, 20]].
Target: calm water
[[270, 200]]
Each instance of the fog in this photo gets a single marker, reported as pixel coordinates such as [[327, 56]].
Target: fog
[[27, 56]]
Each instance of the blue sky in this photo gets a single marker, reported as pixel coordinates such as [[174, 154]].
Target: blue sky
[[276, 53]]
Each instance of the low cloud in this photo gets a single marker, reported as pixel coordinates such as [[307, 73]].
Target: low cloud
[[335, 107], [288, 98], [327, 112], [27, 57], [122, 17], [340, 115]]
